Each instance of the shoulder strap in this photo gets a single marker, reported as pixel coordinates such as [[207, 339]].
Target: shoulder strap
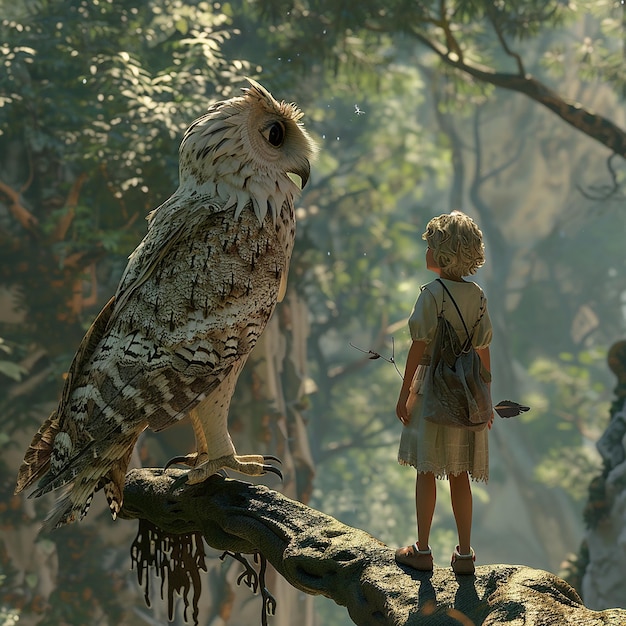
[[456, 306]]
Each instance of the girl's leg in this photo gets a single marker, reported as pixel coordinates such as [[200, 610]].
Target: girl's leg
[[425, 495], [461, 496], [425, 498]]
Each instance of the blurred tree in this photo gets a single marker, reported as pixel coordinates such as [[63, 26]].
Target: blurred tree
[[575, 384]]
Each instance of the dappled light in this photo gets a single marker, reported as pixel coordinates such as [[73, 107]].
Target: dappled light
[[512, 112]]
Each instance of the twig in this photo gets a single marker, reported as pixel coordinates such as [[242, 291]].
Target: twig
[[375, 355], [518, 59], [606, 192], [451, 42]]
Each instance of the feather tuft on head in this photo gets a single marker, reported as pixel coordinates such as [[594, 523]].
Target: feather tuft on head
[[244, 149]]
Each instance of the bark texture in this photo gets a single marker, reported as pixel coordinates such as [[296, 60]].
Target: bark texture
[[605, 540], [319, 555]]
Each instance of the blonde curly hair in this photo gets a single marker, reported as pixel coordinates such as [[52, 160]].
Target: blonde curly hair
[[456, 242]]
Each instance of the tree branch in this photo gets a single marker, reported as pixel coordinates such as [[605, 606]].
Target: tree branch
[[492, 10], [591, 124], [28, 221], [319, 555], [65, 221]]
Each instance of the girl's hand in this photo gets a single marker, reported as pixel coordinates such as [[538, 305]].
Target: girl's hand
[[416, 351], [401, 410]]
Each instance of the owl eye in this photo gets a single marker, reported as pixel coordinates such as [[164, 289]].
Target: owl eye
[[275, 134]]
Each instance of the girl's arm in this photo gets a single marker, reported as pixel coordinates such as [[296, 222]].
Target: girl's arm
[[413, 359], [485, 357]]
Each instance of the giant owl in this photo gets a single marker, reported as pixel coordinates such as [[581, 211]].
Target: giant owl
[[195, 296]]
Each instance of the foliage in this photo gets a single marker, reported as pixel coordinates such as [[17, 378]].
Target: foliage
[[601, 52], [344, 30], [570, 408], [9, 613], [580, 292], [87, 584], [476, 41], [9, 368], [94, 97]]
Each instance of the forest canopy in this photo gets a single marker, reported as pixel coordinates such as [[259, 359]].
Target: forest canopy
[[511, 111]]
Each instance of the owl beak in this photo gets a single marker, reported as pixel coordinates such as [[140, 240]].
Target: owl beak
[[303, 172]]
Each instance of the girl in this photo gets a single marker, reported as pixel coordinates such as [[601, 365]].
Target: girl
[[455, 250]]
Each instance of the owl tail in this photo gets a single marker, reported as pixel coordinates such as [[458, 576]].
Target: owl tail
[[37, 459], [113, 485], [72, 506]]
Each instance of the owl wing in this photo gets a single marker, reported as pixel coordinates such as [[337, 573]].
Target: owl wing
[[189, 307], [37, 458]]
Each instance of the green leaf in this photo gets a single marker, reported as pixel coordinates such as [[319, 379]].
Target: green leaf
[[12, 370]]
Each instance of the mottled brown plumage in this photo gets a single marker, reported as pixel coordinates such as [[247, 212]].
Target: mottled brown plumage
[[195, 296]]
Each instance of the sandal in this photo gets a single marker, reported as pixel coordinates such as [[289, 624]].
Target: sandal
[[463, 563], [421, 560]]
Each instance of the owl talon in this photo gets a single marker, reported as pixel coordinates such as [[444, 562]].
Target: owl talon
[[179, 482], [273, 470], [195, 459], [269, 457], [188, 459], [251, 465]]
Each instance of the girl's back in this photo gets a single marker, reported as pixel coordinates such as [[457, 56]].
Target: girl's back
[[469, 298]]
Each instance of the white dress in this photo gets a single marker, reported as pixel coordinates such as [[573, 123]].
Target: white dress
[[444, 450]]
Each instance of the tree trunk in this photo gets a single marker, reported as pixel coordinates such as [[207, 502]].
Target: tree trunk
[[605, 540]]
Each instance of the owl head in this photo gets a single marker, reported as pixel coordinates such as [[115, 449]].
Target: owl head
[[243, 150]]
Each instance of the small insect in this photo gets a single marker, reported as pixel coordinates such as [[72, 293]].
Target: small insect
[[358, 111]]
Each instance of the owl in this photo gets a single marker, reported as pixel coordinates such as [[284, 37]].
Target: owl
[[195, 296]]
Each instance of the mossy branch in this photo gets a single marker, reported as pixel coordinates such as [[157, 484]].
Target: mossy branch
[[319, 555]]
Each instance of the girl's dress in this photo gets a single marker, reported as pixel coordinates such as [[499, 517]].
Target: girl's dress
[[444, 450]]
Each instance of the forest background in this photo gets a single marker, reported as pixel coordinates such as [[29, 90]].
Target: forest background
[[419, 108]]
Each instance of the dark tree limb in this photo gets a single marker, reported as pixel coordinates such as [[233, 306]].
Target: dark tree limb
[[591, 124], [319, 555]]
